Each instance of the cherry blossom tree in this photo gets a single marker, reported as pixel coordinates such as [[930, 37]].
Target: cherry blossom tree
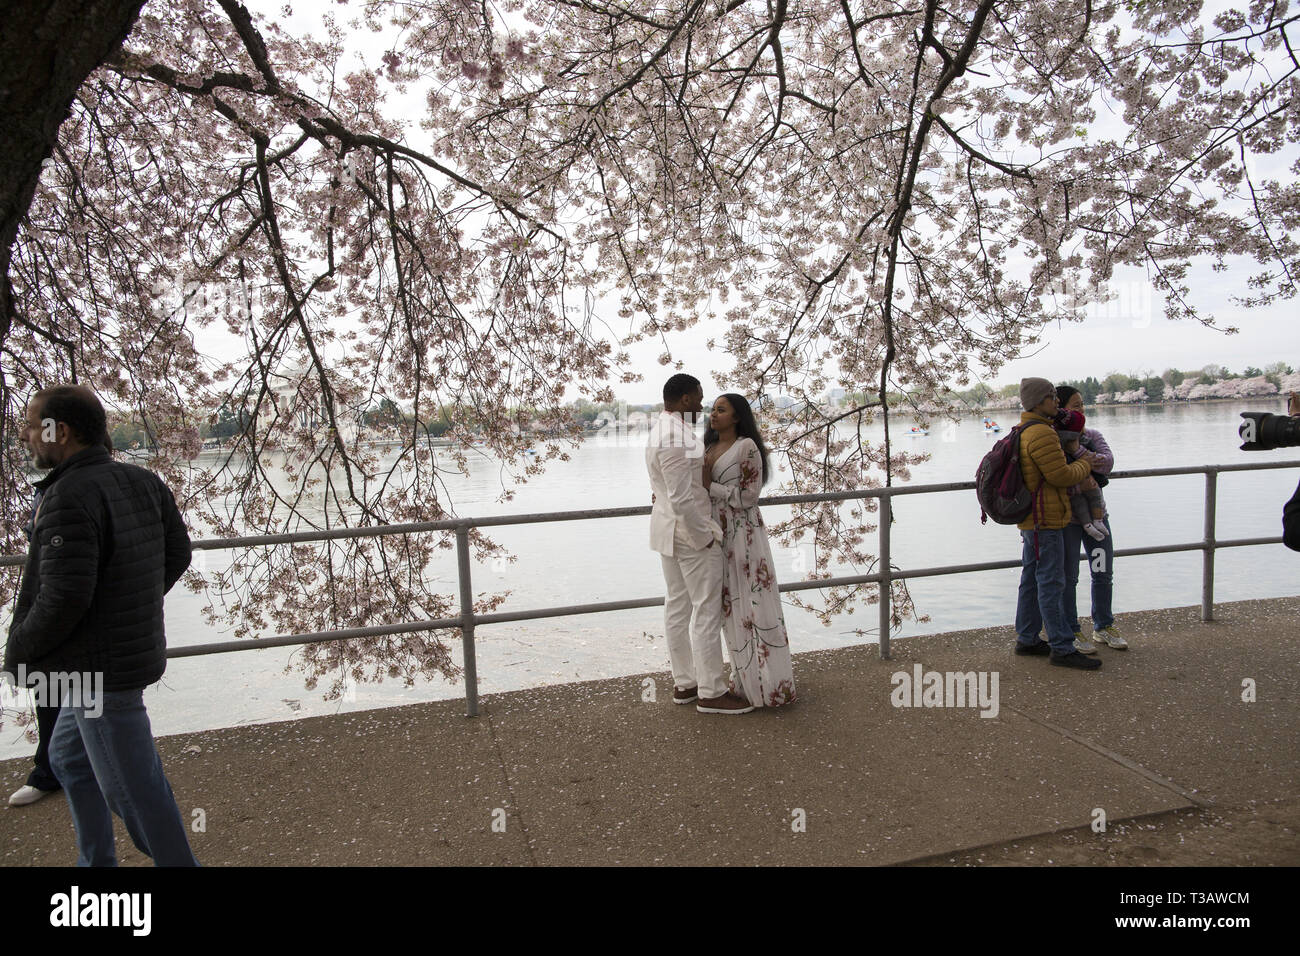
[[874, 195], [900, 196], [217, 172]]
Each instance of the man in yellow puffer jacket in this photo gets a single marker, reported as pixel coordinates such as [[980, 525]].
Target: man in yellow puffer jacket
[[1042, 577]]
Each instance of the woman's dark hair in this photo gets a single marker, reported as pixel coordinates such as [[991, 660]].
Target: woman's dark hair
[[746, 427], [1064, 393], [78, 408]]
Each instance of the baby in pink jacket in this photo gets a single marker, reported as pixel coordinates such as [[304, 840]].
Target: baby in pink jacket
[[1086, 503]]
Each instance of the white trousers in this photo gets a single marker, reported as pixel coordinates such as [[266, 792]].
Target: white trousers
[[694, 580]]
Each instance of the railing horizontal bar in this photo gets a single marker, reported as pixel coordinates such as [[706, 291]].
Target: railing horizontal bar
[[1247, 542], [830, 582], [1194, 546], [548, 516], [778, 500], [1203, 469], [297, 537], [955, 569], [895, 490], [891, 492], [300, 537], [502, 617], [318, 637], [1159, 549]]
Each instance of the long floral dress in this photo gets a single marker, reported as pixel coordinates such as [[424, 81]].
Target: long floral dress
[[751, 605]]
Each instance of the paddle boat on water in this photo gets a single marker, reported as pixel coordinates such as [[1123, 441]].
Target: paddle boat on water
[[991, 427], [915, 432]]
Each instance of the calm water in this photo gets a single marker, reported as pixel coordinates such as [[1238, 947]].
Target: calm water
[[591, 561]]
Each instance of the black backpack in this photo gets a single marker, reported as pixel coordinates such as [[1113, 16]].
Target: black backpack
[[999, 484]]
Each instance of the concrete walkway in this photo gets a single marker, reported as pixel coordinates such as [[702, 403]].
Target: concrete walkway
[[592, 774]]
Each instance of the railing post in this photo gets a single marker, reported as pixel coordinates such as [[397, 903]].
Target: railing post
[[467, 620], [1207, 563], [885, 512]]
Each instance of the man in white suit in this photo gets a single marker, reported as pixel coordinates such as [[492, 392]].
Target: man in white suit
[[689, 545]]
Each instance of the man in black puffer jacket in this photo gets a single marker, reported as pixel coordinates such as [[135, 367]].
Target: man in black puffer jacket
[[108, 543]]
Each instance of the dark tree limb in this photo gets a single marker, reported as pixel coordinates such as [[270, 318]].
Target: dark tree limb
[[47, 49]]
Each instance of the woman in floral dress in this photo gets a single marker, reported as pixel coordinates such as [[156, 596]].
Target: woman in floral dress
[[735, 469]]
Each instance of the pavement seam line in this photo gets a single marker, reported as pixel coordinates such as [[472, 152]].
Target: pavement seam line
[[510, 789], [1120, 759], [1081, 829]]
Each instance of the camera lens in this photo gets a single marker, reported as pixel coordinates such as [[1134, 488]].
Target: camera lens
[[1263, 431]]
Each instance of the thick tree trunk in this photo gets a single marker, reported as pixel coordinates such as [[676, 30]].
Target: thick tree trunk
[[47, 49]]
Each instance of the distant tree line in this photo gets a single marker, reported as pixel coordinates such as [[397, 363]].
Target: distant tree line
[[1155, 386], [1116, 383], [226, 423], [389, 416]]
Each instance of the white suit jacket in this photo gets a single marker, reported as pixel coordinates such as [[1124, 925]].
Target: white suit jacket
[[680, 514]]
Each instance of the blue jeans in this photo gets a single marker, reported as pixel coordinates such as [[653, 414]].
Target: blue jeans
[[108, 763], [1100, 556], [1042, 590]]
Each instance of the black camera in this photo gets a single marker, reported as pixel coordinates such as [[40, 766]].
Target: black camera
[[1262, 431]]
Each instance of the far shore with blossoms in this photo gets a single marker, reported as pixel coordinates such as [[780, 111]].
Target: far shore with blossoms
[[1190, 390], [386, 422]]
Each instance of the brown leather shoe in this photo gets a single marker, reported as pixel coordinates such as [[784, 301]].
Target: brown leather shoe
[[728, 703], [684, 696]]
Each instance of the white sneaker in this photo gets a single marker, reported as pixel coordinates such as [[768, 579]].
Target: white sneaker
[[25, 795], [1084, 647], [1112, 637]]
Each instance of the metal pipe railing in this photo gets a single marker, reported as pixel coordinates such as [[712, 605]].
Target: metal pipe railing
[[1207, 557], [467, 620], [885, 514]]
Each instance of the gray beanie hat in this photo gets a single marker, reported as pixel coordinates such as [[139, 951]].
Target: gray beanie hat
[[1034, 390]]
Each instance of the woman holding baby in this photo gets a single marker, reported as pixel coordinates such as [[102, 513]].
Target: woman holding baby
[[1090, 524]]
